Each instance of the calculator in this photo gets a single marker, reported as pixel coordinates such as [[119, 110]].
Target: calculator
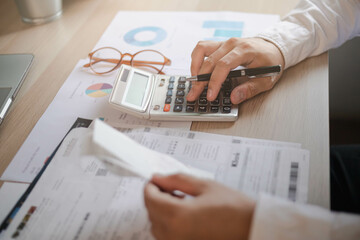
[[163, 97]]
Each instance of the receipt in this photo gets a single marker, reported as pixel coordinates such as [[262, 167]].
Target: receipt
[[124, 156]]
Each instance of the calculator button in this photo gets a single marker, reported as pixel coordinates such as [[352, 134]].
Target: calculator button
[[202, 109], [171, 86], [181, 86], [181, 80], [190, 85], [214, 109], [167, 107], [169, 93], [190, 108], [202, 101], [172, 79], [156, 107], [203, 94], [191, 102], [177, 108], [179, 100], [226, 101], [226, 109], [215, 102], [180, 93], [168, 100], [227, 93]]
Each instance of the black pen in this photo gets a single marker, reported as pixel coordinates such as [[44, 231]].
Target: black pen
[[246, 72]]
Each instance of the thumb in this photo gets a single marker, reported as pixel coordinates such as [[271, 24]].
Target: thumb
[[251, 88], [184, 183]]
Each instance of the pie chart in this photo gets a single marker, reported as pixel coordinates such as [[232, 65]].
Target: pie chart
[[98, 90]]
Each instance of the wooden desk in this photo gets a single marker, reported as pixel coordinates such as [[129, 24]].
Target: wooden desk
[[295, 110]]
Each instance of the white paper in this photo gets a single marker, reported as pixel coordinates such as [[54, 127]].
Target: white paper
[[122, 154], [249, 168], [9, 195], [72, 101], [175, 34], [203, 136], [78, 198]]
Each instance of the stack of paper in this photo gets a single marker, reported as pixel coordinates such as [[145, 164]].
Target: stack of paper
[[79, 197]]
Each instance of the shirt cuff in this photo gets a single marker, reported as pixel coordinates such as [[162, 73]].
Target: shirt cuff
[[279, 219], [291, 39]]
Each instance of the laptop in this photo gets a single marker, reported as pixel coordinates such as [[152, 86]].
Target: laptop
[[13, 69]]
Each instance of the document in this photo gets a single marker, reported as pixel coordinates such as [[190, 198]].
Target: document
[[9, 194], [246, 167], [125, 156], [78, 197], [202, 135], [175, 34]]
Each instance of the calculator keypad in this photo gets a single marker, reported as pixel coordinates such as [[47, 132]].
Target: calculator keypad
[[177, 90]]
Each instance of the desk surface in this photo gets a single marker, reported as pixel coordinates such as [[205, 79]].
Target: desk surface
[[295, 110]]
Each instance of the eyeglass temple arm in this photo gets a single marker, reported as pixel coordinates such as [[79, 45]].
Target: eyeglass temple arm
[[116, 61], [150, 66]]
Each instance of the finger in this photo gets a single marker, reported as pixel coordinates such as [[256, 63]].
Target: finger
[[238, 53], [203, 49], [251, 88], [230, 61], [184, 183], [211, 61], [195, 91], [160, 205], [157, 200], [208, 66]]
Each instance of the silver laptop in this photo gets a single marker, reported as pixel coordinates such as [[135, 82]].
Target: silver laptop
[[13, 69]]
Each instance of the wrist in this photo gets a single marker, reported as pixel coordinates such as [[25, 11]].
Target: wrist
[[276, 52]]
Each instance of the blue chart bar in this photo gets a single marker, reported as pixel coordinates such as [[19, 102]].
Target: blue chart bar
[[227, 33], [224, 24]]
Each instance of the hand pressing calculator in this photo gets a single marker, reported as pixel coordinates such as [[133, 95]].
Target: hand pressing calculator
[[161, 97]]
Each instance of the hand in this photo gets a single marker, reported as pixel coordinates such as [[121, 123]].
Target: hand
[[214, 211], [224, 56]]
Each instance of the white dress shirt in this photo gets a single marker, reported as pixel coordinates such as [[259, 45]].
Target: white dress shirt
[[314, 27], [310, 29]]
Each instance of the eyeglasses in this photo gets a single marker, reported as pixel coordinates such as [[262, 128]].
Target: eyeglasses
[[108, 59]]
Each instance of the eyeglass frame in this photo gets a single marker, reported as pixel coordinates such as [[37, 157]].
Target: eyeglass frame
[[130, 62]]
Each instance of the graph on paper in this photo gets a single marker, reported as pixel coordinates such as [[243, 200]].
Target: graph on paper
[[98, 90], [223, 30]]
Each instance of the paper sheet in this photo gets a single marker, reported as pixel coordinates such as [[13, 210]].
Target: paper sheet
[[249, 168], [9, 194], [76, 98], [78, 198], [203, 136], [175, 34], [123, 155]]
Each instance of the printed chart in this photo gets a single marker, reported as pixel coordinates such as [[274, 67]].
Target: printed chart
[[145, 36], [98, 90], [224, 30]]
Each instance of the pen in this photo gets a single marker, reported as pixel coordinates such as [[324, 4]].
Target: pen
[[246, 72]]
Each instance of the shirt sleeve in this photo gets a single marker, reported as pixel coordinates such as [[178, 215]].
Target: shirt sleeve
[[278, 219], [314, 27]]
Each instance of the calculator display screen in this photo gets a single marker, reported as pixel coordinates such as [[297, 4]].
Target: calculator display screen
[[136, 91]]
